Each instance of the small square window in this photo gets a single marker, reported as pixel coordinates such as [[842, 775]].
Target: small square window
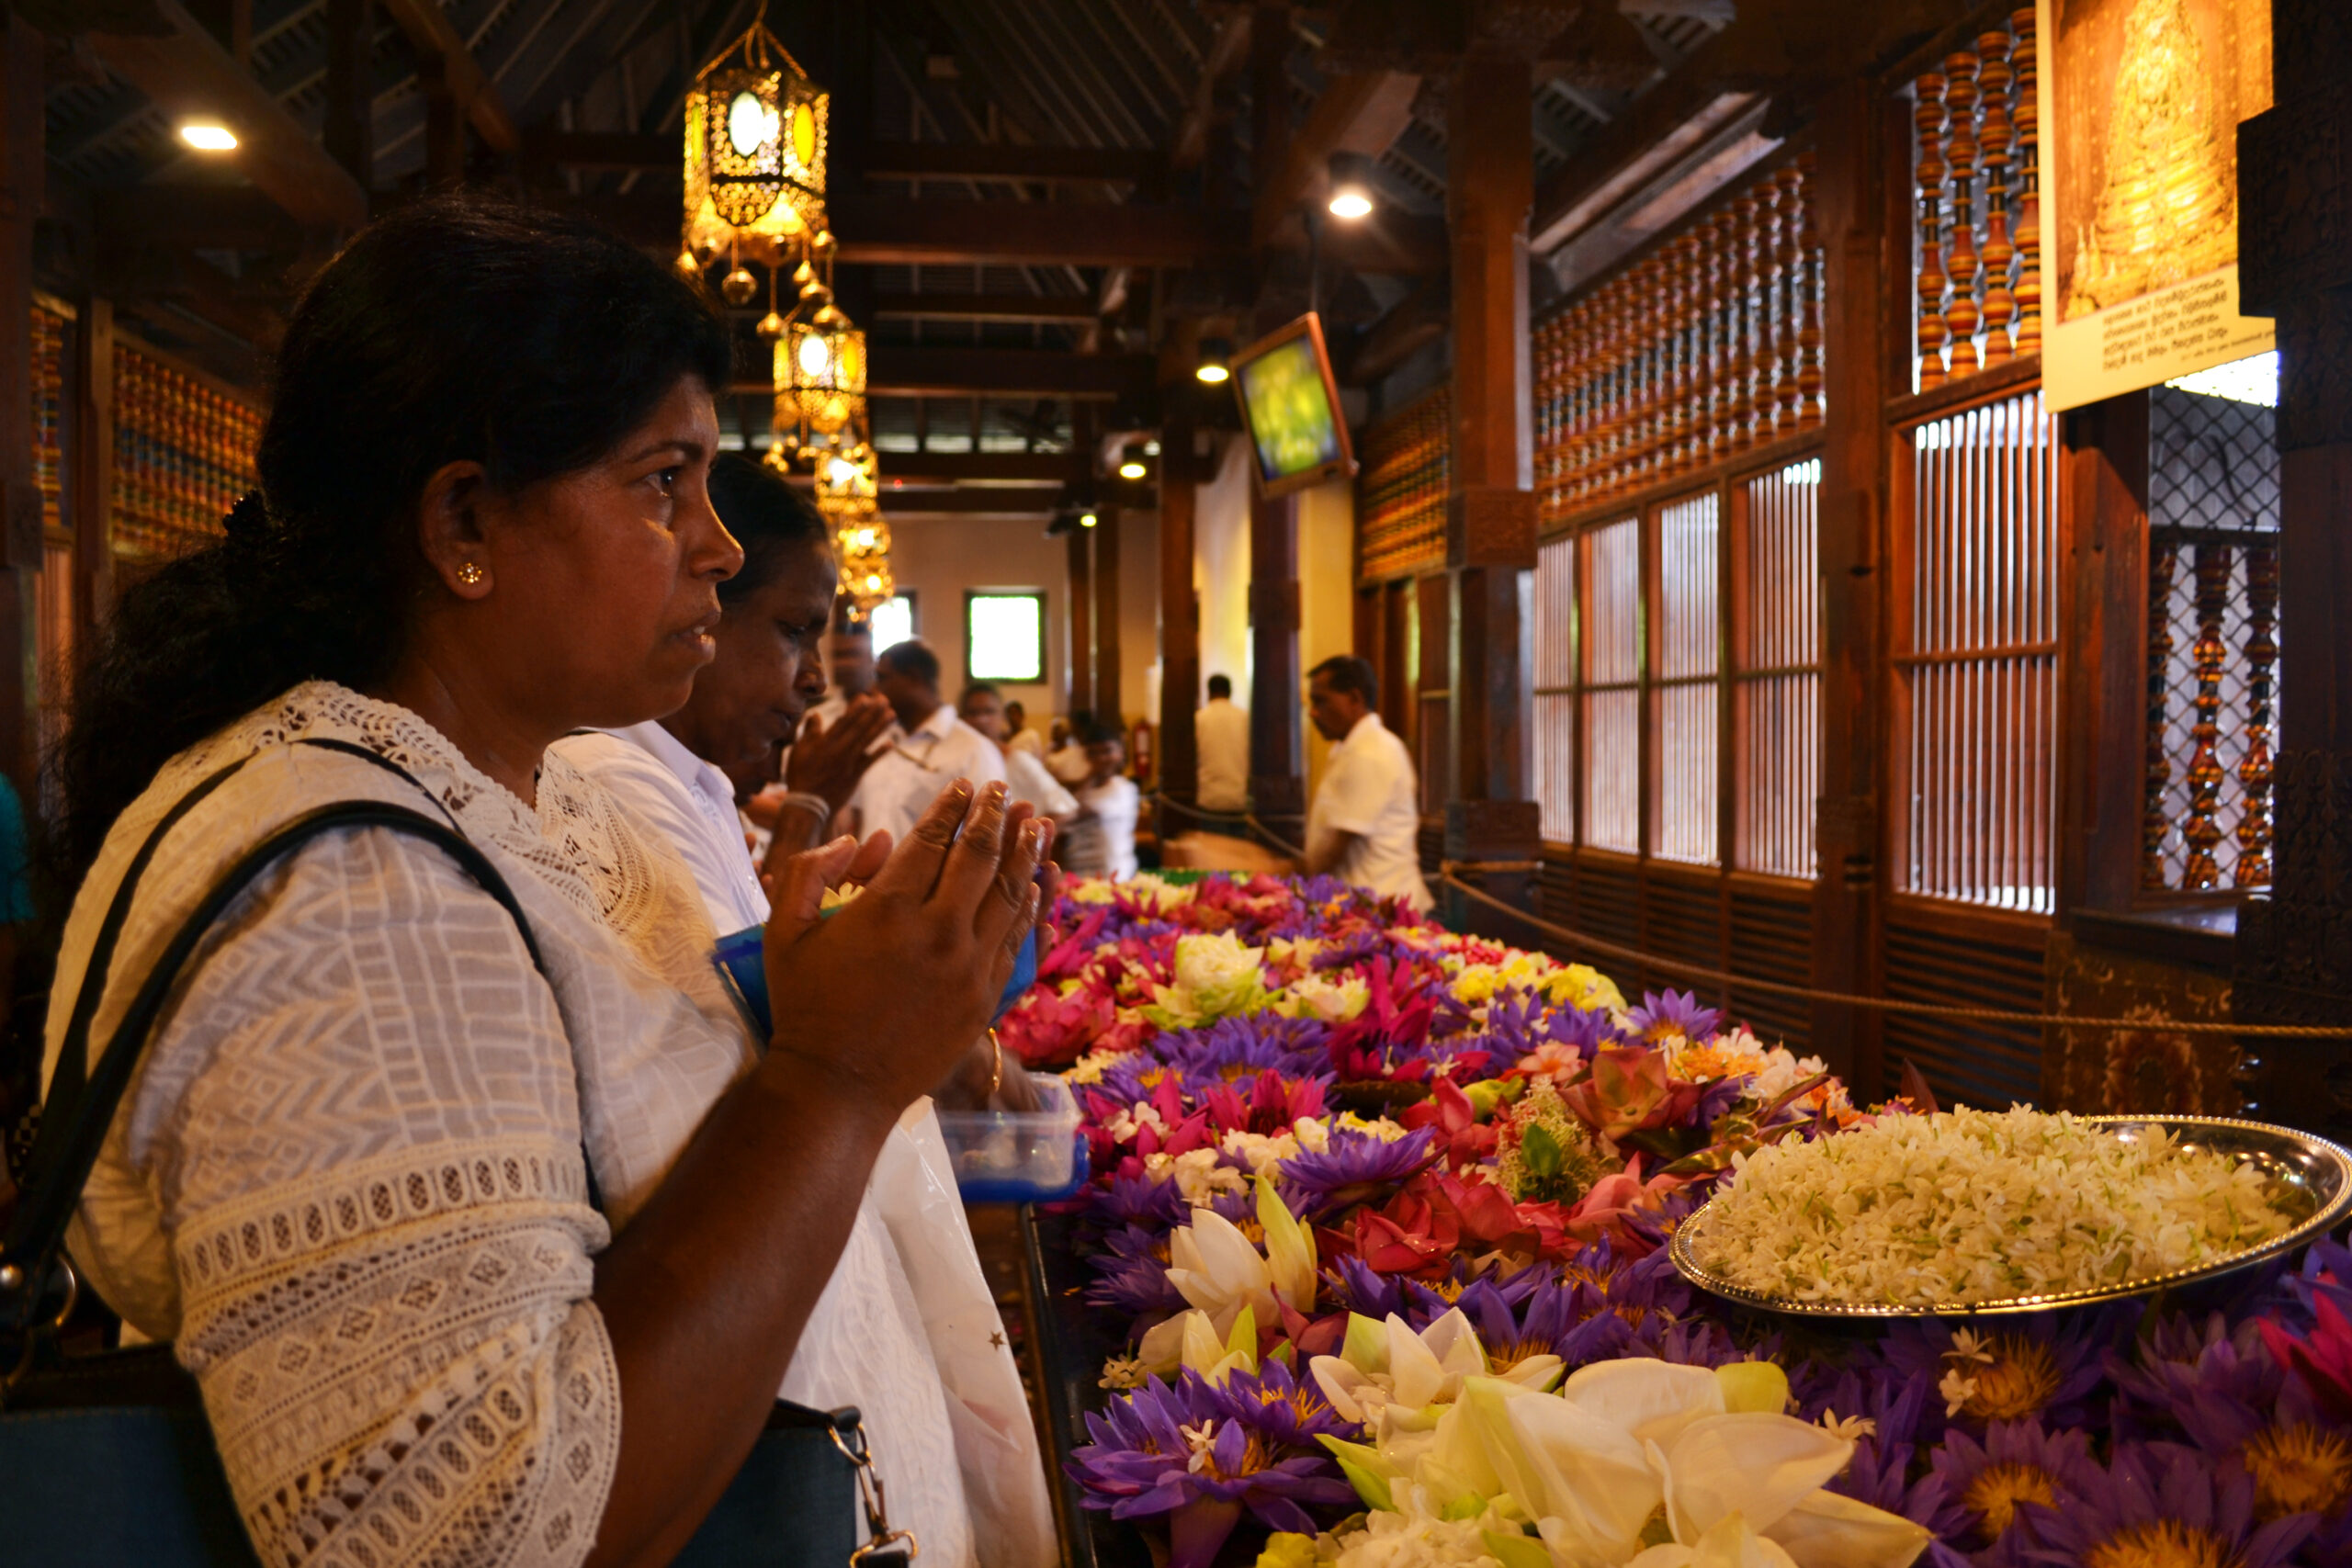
[[1005, 635], [893, 621]]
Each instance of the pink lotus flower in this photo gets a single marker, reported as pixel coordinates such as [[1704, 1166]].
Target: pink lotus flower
[[1616, 1198], [1630, 1090], [2323, 1359], [1459, 1134], [1275, 1105], [1047, 1029]]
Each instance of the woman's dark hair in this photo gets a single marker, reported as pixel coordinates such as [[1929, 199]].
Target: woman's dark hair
[[456, 329], [768, 518]]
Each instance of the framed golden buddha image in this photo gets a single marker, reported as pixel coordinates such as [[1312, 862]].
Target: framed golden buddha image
[[2141, 105]]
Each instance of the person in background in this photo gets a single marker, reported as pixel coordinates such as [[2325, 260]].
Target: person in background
[[868, 1342], [983, 707], [839, 738], [849, 664], [1221, 734], [1019, 736], [932, 750], [1365, 822], [1067, 761], [1103, 839]]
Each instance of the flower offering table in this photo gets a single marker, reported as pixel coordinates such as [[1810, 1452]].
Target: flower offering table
[[1374, 1269]]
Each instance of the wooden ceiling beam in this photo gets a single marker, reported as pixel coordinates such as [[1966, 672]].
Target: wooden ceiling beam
[[883, 233], [1361, 112], [908, 470], [1014, 308], [428, 28], [895, 371], [186, 74], [1023, 161], [1227, 53], [1035, 500]]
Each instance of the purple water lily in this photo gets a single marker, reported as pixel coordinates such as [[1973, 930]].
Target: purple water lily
[[1134, 1269], [2018, 1462], [1280, 1407], [1353, 1167], [2047, 1367], [1665, 1014], [1164, 1452], [2155, 1503]]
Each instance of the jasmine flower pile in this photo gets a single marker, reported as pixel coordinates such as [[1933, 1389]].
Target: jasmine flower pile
[[1971, 1205]]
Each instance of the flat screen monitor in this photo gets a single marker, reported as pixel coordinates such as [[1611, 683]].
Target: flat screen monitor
[[1292, 406]]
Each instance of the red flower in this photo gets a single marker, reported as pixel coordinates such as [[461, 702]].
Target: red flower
[[2324, 1360], [1630, 1090], [1614, 1200], [1464, 1141]]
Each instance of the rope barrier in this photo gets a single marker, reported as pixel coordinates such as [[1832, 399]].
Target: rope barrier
[[1730, 981], [1247, 819]]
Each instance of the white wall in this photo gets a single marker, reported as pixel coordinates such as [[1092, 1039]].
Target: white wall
[[939, 559], [1221, 569]]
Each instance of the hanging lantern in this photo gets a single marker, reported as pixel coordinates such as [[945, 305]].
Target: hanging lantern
[[863, 542], [821, 370], [755, 154], [845, 479]]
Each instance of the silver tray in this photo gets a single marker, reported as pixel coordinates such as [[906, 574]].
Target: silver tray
[[2308, 1175]]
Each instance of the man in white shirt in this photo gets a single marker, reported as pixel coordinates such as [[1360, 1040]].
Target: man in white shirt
[[984, 708], [1102, 841], [1221, 739], [1019, 736], [849, 665], [935, 749], [1067, 760], [1365, 822]]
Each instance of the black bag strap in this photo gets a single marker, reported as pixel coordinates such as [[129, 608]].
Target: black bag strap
[[82, 1096]]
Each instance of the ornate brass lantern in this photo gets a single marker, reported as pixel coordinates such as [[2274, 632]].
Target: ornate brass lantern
[[821, 371], [755, 156], [846, 490]]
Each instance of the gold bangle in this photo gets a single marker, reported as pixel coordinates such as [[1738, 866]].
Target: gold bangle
[[996, 1070]]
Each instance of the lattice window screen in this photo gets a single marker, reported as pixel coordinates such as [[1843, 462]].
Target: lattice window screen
[[1979, 666], [1612, 671], [1776, 676], [1556, 686], [1685, 696]]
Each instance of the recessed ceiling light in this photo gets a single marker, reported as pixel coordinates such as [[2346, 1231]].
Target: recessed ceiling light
[[209, 136]]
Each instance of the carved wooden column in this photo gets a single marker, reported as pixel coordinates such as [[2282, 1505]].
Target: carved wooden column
[[2294, 947], [20, 196], [1180, 611], [1107, 709], [1277, 691], [1081, 622], [1864, 157], [1491, 513]]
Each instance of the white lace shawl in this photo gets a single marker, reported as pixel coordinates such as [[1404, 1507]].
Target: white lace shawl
[[346, 1179]]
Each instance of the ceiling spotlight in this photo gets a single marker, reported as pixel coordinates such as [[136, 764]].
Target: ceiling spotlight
[[1214, 352], [1350, 186], [1131, 462], [1087, 520], [209, 136]]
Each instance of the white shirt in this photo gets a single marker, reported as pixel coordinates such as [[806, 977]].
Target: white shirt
[[900, 787], [1068, 764], [1102, 841], [1027, 741], [1368, 791], [1221, 734], [1025, 778], [689, 802]]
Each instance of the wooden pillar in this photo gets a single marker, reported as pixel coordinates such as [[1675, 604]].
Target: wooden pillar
[[1180, 611], [1277, 782], [1277, 773], [1490, 814], [2103, 706], [1082, 621], [91, 486], [1864, 336], [21, 83], [1107, 707], [348, 130], [2294, 948]]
